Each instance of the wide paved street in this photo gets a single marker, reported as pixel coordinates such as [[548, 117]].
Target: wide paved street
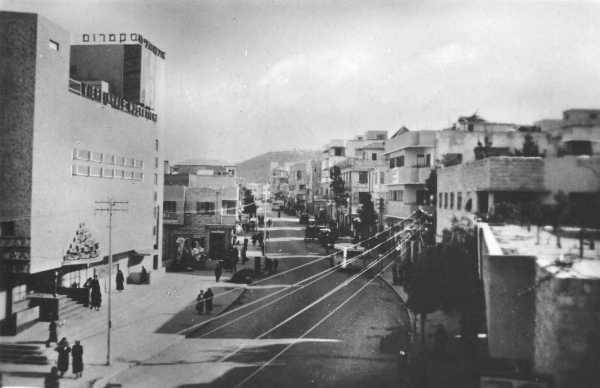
[[328, 331]]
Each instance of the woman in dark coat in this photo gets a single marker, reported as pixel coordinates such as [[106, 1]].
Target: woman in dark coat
[[208, 297], [96, 294], [120, 280], [200, 302], [52, 334], [77, 354], [63, 350]]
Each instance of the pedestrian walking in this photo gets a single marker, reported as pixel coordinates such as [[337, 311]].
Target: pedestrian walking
[[88, 286], [52, 334], [275, 264], [200, 302], [218, 271], [208, 297], [63, 350], [269, 223], [96, 293], [77, 354], [120, 280], [244, 255], [278, 213]]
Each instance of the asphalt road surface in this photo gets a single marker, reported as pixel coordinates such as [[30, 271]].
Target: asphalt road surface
[[333, 332]]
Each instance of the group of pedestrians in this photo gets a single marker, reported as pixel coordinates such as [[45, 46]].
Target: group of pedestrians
[[204, 301], [93, 285], [63, 349]]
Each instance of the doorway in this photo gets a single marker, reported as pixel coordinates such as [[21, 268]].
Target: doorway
[[216, 244]]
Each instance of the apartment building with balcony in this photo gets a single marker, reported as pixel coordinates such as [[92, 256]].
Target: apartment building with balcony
[[200, 209], [409, 156], [66, 144]]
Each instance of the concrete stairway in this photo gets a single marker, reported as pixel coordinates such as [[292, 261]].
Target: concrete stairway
[[19, 353]]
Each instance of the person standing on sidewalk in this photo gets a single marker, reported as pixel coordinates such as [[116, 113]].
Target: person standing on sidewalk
[[77, 354], [120, 280], [52, 333], [218, 271], [208, 297], [63, 350], [200, 302], [96, 293]]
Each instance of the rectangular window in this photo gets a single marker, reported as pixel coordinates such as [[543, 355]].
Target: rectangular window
[[96, 171], [392, 162], [205, 208], [381, 177], [120, 161], [459, 200], [363, 177], [138, 176], [108, 172], [155, 162], [7, 228], [169, 206], [138, 163], [298, 175], [445, 200], [302, 187], [420, 160], [119, 173], [440, 201], [109, 159], [129, 162], [155, 196], [400, 161], [80, 170], [451, 200], [53, 45], [428, 160], [129, 175], [96, 157], [373, 156], [81, 154], [156, 145], [228, 207], [155, 179]]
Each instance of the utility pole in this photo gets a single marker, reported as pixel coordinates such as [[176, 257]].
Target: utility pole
[[110, 206]]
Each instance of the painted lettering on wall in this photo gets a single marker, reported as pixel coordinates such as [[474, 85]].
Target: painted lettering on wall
[[123, 38], [135, 109]]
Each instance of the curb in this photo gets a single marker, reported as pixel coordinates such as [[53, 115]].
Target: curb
[[411, 316]]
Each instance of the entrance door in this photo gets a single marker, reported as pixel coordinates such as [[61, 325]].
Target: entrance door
[[216, 244]]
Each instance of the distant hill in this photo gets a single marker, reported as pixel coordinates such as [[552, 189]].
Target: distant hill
[[257, 169]]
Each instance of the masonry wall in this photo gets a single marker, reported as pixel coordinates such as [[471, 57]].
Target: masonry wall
[[567, 341], [18, 34], [509, 305], [572, 174]]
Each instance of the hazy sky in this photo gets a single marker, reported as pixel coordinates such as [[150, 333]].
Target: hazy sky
[[245, 77]]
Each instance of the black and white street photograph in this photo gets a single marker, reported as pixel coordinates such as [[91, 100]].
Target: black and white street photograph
[[300, 193]]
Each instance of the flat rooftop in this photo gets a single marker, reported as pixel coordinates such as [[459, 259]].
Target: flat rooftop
[[514, 240]]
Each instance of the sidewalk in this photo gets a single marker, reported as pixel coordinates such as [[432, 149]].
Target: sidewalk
[[145, 320]]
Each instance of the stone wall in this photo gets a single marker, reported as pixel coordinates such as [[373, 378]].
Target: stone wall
[[567, 340]]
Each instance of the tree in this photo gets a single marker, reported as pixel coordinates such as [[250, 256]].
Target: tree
[[367, 216], [337, 186], [424, 281], [530, 147], [249, 204]]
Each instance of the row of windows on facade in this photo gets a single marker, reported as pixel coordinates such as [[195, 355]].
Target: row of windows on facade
[[422, 199], [423, 160], [363, 177], [110, 159], [446, 201], [108, 172], [203, 208]]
